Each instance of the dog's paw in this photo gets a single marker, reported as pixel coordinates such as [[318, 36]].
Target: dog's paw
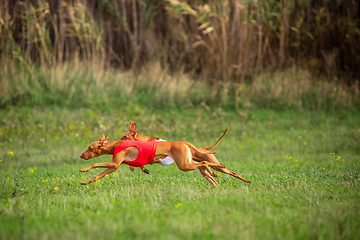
[[83, 183], [131, 168], [84, 170], [146, 171]]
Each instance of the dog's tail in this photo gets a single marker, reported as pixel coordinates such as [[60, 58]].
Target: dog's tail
[[217, 140], [198, 150]]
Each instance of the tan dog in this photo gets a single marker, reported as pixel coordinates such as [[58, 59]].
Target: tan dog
[[180, 151], [133, 135]]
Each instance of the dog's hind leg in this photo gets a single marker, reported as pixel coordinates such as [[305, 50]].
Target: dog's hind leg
[[234, 174], [183, 158], [212, 159], [208, 177]]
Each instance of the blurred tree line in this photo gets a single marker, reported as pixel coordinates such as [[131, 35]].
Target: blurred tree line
[[216, 40]]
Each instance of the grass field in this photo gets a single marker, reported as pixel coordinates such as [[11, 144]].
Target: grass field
[[290, 99], [304, 167]]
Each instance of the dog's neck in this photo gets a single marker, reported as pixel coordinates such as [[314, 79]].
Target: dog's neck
[[146, 138], [109, 147]]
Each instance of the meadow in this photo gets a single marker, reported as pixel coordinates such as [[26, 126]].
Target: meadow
[[303, 164], [281, 75]]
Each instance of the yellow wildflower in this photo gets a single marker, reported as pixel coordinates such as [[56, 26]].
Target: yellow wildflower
[[98, 180], [43, 181], [8, 179], [82, 177], [6, 204], [32, 170], [107, 175], [11, 153], [295, 160], [56, 188], [305, 143], [179, 205], [115, 175], [0, 160]]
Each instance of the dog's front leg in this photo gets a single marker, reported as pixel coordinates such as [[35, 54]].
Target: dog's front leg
[[142, 169], [99, 165], [107, 171], [111, 166]]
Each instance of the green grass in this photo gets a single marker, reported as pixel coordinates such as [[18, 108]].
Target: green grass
[[312, 195]]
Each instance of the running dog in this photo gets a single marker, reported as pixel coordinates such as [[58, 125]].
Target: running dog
[[139, 153], [133, 135]]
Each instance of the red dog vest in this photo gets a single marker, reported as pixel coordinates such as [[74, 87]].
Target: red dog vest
[[146, 152]]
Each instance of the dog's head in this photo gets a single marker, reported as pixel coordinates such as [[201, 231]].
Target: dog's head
[[132, 134], [95, 149]]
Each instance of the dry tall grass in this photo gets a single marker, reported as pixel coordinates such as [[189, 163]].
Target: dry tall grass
[[80, 84], [215, 40]]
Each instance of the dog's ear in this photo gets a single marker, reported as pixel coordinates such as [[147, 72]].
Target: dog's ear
[[104, 141], [131, 123], [102, 138], [133, 128]]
